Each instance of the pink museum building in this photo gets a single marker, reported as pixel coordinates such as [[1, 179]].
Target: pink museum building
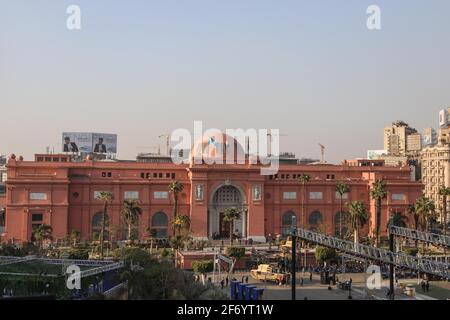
[[57, 191]]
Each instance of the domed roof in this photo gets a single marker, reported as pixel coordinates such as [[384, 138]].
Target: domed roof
[[214, 147]]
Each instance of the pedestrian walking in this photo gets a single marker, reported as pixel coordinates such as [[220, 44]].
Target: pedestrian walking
[[222, 283], [226, 281], [246, 279], [422, 284], [427, 286]]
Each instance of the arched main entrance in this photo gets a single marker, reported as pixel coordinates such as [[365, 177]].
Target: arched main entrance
[[225, 197]]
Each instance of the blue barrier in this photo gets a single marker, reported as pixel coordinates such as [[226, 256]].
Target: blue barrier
[[249, 291], [233, 289], [257, 293], [241, 289]]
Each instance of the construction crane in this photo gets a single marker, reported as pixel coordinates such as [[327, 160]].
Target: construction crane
[[322, 152]]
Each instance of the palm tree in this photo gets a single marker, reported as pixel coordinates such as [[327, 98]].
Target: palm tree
[[399, 220], [152, 232], [130, 214], [181, 222], [303, 179], [229, 216], [444, 192], [175, 187], [412, 211], [425, 208], [106, 197], [341, 189], [378, 193], [358, 217], [42, 233]]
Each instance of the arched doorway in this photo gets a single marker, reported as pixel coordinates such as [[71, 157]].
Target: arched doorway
[[225, 197]]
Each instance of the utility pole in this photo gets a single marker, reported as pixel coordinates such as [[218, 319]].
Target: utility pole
[[391, 265], [294, 249]]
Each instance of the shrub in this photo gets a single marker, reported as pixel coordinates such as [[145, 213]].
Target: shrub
[[235, 252], [203, 266], [78, 254]]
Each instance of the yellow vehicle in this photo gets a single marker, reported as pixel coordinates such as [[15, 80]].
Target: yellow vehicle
[[266, 273]]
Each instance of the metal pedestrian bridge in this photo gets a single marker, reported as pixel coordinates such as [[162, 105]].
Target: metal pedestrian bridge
[[377, 254], [431, 238]]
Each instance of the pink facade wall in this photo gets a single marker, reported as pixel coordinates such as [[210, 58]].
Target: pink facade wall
[[70, 203]]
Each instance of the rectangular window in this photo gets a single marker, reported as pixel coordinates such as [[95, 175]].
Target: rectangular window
[[4, 176], [38, 196], [97, 194], [131, 195], [161, 195], [398, 197], [316, 195], [36, 217], [290, 195], [344, 196]]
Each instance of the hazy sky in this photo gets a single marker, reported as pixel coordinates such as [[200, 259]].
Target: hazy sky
[[143, 68]]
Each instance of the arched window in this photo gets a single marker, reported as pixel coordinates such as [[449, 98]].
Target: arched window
[[160, 223], [97, 226], [338, 218], [315, 220], [286, 223]]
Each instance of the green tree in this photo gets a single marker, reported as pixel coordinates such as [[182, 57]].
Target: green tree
[[358, 217], [130, 214], [425, 208], [412, 211], [175, 187], [399, 220], [378, 192], [202, 267], [106, 197], [42, 233], [324, 254], [235, 253], [341, 189], [229, 216]]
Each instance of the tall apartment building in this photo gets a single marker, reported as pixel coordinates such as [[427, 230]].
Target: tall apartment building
[[398, 137], [414, 142], [429, 137], [435, 162]]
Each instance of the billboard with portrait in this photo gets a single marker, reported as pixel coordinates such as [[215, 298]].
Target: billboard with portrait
[[104, 143], [77, 142], [89, 142]]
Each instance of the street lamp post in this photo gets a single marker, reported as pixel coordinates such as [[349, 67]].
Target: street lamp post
[[294, 249]]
